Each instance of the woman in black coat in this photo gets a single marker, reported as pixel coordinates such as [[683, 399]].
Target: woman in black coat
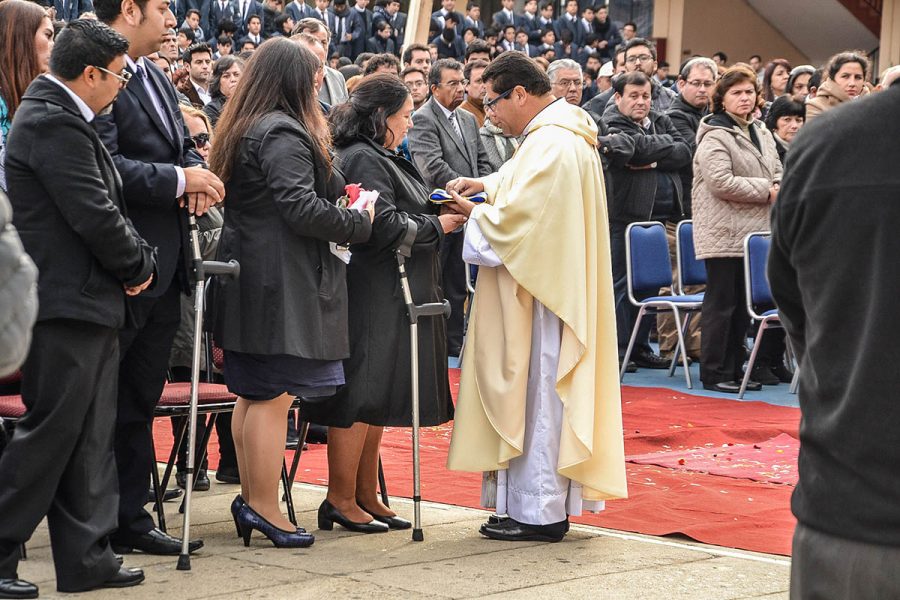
[[283, 322], [367, 130]]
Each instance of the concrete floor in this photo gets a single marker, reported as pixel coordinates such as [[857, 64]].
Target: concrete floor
[[454, 561]]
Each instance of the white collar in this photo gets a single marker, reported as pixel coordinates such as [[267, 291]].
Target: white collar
[[447, 112], [85, 110]]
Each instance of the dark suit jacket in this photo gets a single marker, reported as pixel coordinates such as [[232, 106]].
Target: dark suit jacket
[[467, 22], [215, 15], [500, 20], [438, 152], [299, 12], [69, 211], [351, 26], [291, 297], [361, 30], [563, 23], [376, 45], [438, 15], [455, 50], [69, 10], [253, 8], [145, 153], [399, 25]]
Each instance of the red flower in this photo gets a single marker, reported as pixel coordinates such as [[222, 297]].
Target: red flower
[[352, 190]]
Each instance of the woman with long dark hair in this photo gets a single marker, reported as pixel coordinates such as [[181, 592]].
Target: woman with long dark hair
[[367, 130], [26, 39], [283, 322], [225, 76], [846, 81]]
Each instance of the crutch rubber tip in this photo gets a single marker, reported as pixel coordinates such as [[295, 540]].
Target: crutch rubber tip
[[418, 536], [184, 562]]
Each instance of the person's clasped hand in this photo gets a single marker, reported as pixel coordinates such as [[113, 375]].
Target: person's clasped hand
[[135, 290], [202, 189]]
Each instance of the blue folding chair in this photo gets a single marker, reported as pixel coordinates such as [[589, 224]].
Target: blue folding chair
[[759, 295], [649, 269], [690, 272]]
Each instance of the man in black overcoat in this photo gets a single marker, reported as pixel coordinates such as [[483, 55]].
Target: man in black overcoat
[[67, 202], [146, 136]]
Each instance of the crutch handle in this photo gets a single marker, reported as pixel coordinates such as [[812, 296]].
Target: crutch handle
[[432, 309], [232, 268]]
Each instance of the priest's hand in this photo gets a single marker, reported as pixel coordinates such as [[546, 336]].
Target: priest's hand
[[460, 205], [465, 186], [452, 221]]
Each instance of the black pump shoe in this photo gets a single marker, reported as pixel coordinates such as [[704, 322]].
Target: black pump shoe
[[329, 515], [394, 522]]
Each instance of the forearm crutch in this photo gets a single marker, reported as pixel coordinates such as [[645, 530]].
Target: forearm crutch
[[414, 311], [200, 269]]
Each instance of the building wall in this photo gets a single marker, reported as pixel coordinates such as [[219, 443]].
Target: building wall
[[735, 28]]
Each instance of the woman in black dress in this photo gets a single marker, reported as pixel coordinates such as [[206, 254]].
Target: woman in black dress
[[367, 130], [283, 322]]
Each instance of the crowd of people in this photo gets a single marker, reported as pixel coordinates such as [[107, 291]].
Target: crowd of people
[[253, 117]]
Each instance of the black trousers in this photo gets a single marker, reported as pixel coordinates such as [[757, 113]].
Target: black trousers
[[453, 271], [60, 461], [824, 567], [145, 349], [725, 322], [626, 312]]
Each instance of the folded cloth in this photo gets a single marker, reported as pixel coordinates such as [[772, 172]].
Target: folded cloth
[[440, 196]]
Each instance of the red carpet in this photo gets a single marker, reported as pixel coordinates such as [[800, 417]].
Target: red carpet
[[728, 505]]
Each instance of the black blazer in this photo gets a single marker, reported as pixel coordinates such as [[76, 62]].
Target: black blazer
[[376, 45], [145, 155], [291, 297], [67, 201]]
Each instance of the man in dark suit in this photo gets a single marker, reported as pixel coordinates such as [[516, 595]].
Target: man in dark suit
[[244, 9], [505, 16], [147, 138], [298, 9], [473, 18], [362, 29], [439, 16], [219, 11], [69, 10], [343, 26], [445, 144], [69, 211], [387, 11], [568, 21]]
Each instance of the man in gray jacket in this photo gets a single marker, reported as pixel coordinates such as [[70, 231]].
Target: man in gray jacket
[[445, 145]]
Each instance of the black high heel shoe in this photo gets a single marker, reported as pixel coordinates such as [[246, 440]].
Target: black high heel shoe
[[248, 520], [394, 522], [236, 505], [329, 515]]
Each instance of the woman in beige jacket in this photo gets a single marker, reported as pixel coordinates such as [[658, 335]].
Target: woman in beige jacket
[[846, 81], [736, 178]]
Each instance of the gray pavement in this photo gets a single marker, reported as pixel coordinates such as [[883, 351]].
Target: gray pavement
[[454, 561]]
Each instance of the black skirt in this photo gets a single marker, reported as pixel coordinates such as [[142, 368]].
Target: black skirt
[[265, 377]]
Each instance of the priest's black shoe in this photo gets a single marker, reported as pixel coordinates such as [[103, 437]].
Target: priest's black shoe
[[631, 368], [153, 542], [329, 515], [648, 360], [511, 530], [121, 579], [17, 588]]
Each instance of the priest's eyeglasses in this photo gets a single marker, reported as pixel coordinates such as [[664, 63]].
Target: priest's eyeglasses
[[123, 78], [489, 104]]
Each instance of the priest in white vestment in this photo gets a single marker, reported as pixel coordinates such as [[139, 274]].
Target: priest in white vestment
[[539, 397]]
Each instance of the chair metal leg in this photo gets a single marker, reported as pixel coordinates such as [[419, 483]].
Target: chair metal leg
[[382, 484], [288, 497], [200, 457], [795, 382], [158, 490], [683, 348], [752, 361], [677, 353], [637, 324], [303, 432]]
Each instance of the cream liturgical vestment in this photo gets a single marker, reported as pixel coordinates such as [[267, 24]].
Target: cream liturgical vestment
[[543, 302]]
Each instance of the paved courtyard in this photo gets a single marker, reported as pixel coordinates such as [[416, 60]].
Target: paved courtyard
[[454, 561]]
